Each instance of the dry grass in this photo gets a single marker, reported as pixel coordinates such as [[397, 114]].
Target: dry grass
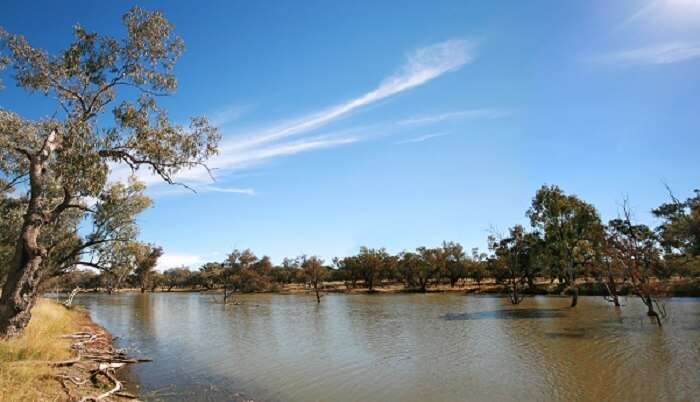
[[24, 372]]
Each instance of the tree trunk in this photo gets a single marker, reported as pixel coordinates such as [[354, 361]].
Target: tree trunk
[[531, 283], [20, 290], [612, 289], [318, 296], [574, 296], [650, 309]]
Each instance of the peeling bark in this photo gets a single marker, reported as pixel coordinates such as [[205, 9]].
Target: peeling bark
[[20, 290]]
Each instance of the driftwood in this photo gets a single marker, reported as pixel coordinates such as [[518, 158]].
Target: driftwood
[[94, 352], [117, 386], [69, 300]]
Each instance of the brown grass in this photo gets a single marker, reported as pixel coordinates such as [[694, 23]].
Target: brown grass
[[24, 372]]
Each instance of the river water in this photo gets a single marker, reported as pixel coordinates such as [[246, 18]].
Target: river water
[[403, 347]]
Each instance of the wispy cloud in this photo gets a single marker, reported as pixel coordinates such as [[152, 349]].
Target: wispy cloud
[[258, 146], [641, 12], [230, 190], [459, 115], [665, 53], [227, 115], [422, 65], [423, 138]]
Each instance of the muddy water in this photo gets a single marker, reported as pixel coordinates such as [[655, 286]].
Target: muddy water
[[408, 347]]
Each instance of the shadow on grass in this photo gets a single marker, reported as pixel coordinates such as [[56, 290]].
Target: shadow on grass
[[507, 314]]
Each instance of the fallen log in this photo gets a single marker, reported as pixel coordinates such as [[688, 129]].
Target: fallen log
[[117, 386], [95, 354]]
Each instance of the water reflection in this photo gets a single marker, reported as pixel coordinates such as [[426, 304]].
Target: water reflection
[[508, 314], [409, 347]]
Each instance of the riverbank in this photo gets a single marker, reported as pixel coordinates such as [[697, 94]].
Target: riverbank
[[43, 363], [675, 287]]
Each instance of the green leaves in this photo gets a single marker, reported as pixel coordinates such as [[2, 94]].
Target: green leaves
[[680, 228], [64, 159], [571, 228]]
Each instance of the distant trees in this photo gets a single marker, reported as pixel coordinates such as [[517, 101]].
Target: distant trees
[[374, 264], [176, 277], [565, 243], [351, 269], [455, 262], [210, 275], [477, 267], [145, 259]]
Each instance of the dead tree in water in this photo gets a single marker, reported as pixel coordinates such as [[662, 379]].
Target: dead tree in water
[[638, 247], [609, 259]]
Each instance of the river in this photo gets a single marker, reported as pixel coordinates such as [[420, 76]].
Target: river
[[403, 347]]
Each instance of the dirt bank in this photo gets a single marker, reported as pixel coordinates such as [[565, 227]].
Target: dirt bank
[[62, 356]]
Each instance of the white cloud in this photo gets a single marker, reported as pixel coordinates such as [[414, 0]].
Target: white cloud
[[422, 66], [422, 138], [244, 151], [665, 53], [216, 189], [171, 260], [463, 114]]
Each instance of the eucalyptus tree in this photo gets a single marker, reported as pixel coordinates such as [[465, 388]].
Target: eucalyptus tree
[[373, 263], [679, 233], [456, 263], [571, 230], [432, 263], [105, 91], [145, 259], [315, 273], [210, 275], [351, 269], [515, 261], [176, 277], [287, 272], [477, 266], [408, 265]]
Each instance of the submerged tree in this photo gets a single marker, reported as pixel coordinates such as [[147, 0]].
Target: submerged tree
[[315, 273], [515, 260], [572, 230], [63, 159], [637, 248]]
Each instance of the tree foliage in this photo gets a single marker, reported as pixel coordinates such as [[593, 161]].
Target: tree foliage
[[105, 91]]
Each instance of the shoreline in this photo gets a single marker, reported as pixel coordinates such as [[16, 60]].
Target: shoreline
[[62, 356], [668, 288]]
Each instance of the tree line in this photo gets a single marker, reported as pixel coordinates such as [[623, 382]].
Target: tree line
[[566, 245]]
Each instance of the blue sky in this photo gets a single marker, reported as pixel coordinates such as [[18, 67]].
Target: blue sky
[[401, 124]]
